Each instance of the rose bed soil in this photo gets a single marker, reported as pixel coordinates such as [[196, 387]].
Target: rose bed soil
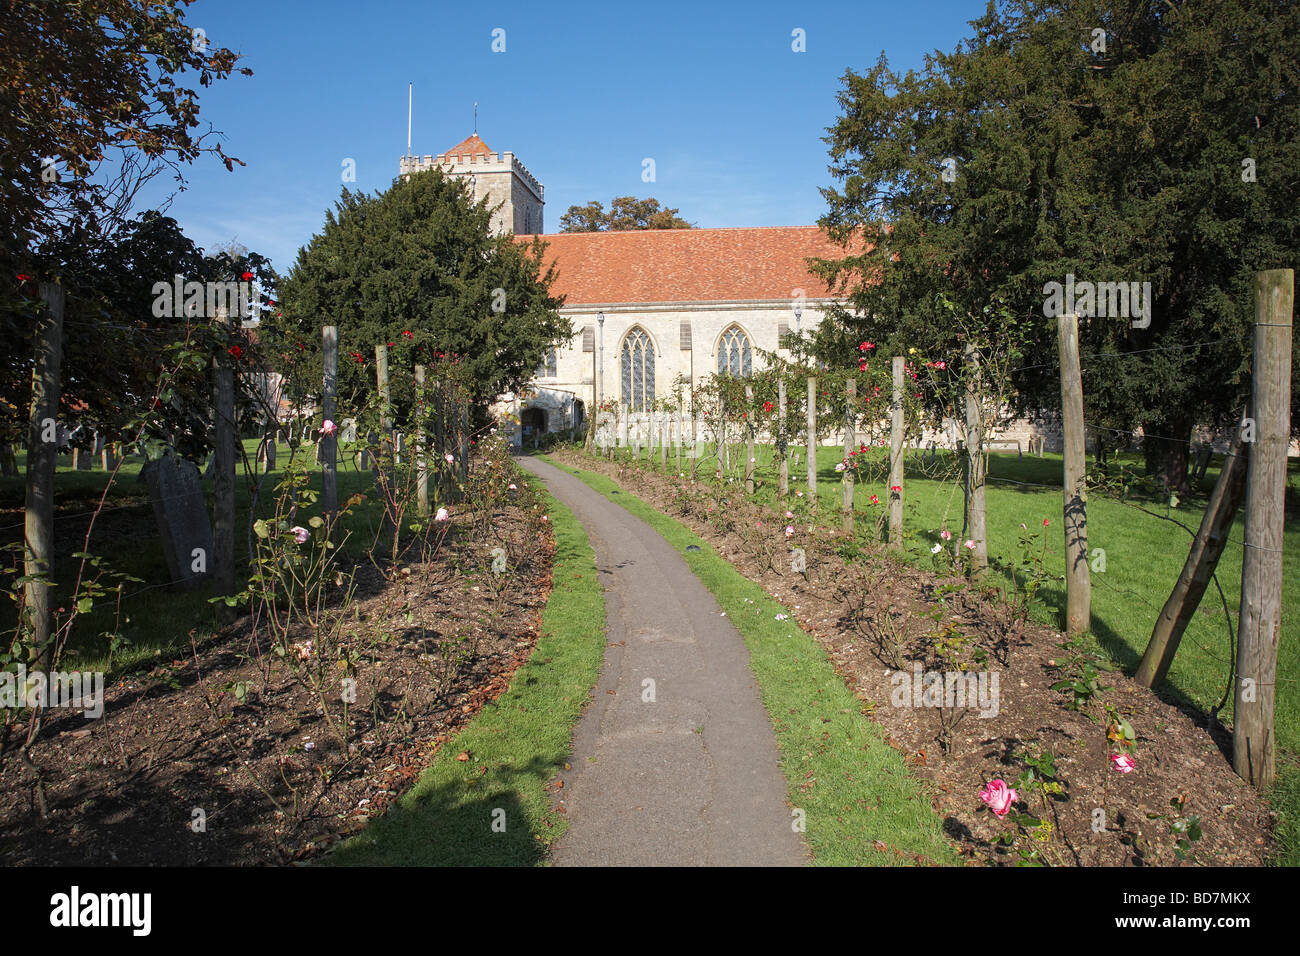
[[229, 730]]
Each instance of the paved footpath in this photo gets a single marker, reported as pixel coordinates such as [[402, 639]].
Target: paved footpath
[[691, 779]]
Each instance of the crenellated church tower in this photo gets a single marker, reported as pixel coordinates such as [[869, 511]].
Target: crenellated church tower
[[511, 190]]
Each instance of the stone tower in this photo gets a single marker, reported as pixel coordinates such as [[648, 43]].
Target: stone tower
[[512, 192]]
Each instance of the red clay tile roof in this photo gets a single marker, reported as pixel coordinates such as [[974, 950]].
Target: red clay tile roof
[[472, 146], [687, 265]]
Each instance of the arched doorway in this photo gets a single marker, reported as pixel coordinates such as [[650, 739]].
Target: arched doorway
[[533, 422], [579, 414]]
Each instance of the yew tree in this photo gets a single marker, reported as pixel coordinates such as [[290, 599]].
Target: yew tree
[[1115, 142], [418, 266]]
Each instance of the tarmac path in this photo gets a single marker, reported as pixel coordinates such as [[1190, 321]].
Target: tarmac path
[[690, 777]]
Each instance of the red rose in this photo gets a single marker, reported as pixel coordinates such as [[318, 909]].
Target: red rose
[[407, 333], [24, 278], [247, 276], [236, 351]]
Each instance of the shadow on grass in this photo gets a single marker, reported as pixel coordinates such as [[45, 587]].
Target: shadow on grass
[[471, 819]]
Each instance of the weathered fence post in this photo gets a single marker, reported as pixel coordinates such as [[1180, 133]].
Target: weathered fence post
[[1253, 743], [782, 452], [223, 482], [749, 440], [384, 458], [812, 439], [665, 430], [976, 462], [850, 447], [42, 456], [421, 447], [1199, 567], [329, 397], [1078, 582], [896, 457]]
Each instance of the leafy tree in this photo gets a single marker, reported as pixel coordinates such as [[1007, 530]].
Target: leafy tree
[[93, 103], [1105, 141], [625, 213], [113, 340], [419, 267]]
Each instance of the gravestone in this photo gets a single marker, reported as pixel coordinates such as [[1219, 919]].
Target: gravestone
[[82, 458], [348, 429], [8, 461], [108, 456], [266, 454], [182, 516]]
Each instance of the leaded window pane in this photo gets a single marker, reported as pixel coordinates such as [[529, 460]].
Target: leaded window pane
[[735, 355], [638, 368]]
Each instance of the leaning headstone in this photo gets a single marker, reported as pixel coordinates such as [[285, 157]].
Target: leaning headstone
[[182, 516], [266, 454]]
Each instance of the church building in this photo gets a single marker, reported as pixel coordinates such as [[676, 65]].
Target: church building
[[647, 306]]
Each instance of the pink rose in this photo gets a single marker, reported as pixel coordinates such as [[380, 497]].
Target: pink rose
[[969, 545], [998, 797], [1123, 763], [945, 534], [789, 530], [300, 534], [441, 515], [328, 427]]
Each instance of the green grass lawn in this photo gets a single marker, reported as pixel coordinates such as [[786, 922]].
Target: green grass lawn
[[157, 618], [517, 744], [830, 751], [1144, 555]]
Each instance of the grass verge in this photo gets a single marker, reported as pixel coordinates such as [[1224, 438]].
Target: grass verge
[[516, 744], [853, 787]]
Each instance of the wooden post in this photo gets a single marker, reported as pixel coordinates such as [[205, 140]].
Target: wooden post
[[223, 483], [42, 456], [384, 459], [1206, 549], [749, 439], [421, 447], [329, 398], [812, 439], [680, 437], [896, 457], [1078, 582], [782, 452], [462, 434], [850, 446], [976, 463], [1253, 744], [665, 427]]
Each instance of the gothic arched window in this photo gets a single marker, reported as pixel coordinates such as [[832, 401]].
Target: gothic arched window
[[735, 356], [638, 367], [547, 368]]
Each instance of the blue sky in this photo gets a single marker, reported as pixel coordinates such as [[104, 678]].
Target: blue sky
[[582, 94]]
